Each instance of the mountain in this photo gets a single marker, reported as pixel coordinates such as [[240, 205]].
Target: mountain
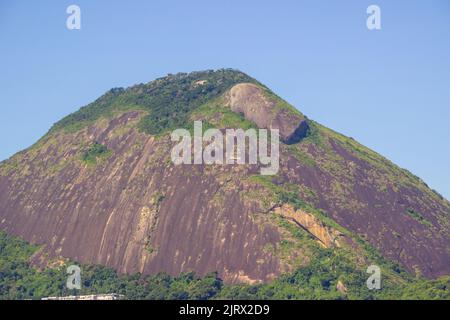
[[100, 188]]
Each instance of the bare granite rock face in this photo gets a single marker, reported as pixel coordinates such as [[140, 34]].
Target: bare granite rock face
[[258, 107], [135, 211]]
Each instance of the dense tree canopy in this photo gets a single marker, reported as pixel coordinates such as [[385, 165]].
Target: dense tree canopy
[[20, 280]]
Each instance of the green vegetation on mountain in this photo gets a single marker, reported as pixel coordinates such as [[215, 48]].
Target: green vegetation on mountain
[[213, 114], [20, 280], [95, 152], [418, 216], [167, 100]]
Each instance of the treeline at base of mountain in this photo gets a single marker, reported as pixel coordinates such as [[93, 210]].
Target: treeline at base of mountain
[[19, 279]]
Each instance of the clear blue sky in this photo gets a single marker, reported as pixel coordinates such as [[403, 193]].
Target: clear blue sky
[[389, 89]]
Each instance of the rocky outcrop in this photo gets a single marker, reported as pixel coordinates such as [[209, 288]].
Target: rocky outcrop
[[325, 235], [257, 106]]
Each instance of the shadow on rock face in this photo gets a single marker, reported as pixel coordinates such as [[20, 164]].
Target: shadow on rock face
[[299, 133]]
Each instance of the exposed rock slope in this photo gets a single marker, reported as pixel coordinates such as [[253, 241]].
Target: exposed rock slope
[[265, 112], [127, 206]]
